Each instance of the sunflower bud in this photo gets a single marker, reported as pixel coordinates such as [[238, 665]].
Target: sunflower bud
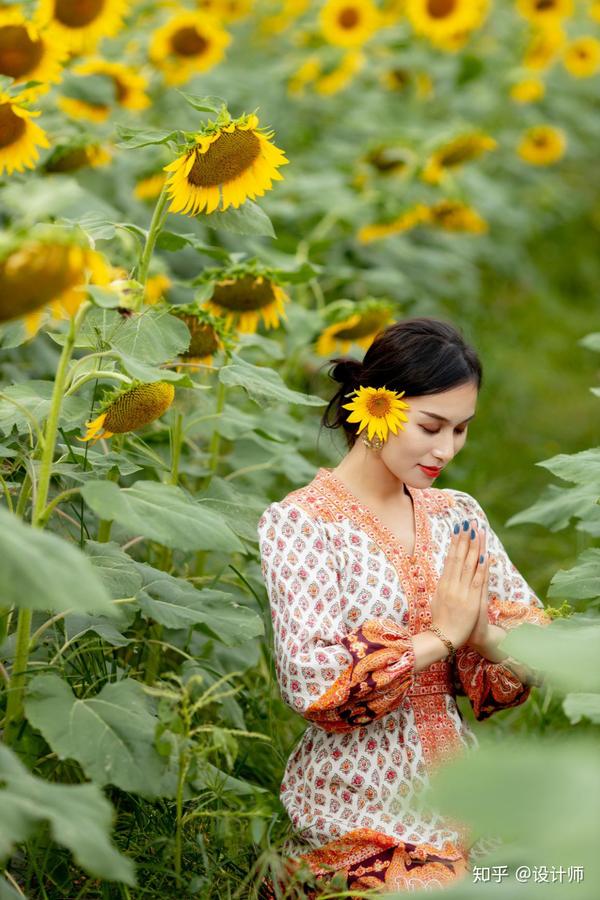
[[132, 409]]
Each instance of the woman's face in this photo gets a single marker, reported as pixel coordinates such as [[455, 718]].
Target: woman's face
[[435, 432]]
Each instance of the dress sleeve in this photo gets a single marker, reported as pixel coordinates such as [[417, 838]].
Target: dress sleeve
[[337, 677], [511, 602]]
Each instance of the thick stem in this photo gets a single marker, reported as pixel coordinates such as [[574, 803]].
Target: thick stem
[[158, 218]]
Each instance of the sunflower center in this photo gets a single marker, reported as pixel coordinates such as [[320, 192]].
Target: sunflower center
[[77, 13], [461, 153], [121, 90], [369, 323], [187, 42], [18, 53], [70, 161], [540, 140], [244, 294], [204, 339], [226, 159], [33, 276], [379, 405], [349, 17], [543, 5], [11, 125], [387, 159], [439, 9]]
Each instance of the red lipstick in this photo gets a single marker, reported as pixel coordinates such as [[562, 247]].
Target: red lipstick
[[431, 473]]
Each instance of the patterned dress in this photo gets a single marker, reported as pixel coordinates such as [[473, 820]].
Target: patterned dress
[[346, 599]]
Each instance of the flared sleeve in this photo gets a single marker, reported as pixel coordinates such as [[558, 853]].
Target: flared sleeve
[[337, 677], [492, 686]]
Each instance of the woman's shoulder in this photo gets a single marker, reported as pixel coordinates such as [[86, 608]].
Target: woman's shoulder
[[306, 503], [459, 501]]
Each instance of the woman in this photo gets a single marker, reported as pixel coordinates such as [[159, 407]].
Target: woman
[[388, 596]]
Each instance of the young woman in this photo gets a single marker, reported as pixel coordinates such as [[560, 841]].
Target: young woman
[[388, 597]]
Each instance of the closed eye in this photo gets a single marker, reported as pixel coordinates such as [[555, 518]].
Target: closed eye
[[429, 431]]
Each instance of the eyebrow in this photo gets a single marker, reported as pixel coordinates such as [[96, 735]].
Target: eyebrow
[[442, 418]]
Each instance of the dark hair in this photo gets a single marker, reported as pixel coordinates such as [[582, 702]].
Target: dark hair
[[418, 356]]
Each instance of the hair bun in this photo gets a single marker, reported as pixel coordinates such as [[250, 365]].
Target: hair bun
[[346, 371]]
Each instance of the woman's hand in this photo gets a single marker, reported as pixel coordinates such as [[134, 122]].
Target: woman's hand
[[480, 636]]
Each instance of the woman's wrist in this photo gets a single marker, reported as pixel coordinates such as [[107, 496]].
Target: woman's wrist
[[447, 639]]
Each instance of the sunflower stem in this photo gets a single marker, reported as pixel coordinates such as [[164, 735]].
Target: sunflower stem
[[16, 687], [158, 219]]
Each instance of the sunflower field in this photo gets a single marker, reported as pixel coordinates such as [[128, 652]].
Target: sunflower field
[[201, 204]]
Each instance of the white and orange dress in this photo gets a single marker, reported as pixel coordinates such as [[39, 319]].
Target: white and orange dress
[[346, 599]]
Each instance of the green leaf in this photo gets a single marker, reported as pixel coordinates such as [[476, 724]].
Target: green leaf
[[42, 571], [263, 384], [116, 569], [591, 341], [110, 735], [175, 603], [35, 397], [79, 817], [102, 296], [557, 506], [582, 581], [133, 138], [582, 468], [163, 513], [78, 625], [579, 706], [203, 104], [172, 241], [153, 337], [97, 90], [143, 372], [248, 218]]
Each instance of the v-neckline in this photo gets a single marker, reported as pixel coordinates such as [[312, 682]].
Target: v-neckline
[[336, 484]]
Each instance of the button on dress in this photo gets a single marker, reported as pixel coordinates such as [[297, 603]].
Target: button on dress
[[346, 599]]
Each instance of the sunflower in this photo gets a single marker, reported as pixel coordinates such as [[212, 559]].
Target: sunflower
[[244, 297], [227, 164], [304, 74], [342, 75], [391, 12], [361, 328], [582, 57], [391, 159], [528, 90], [377, 409], [544, 46], [454, 215], [129, 90], [279, 21], [349, 23], [455, 154], [542, 145], [149, 188], [415, 215], [441, 20], [226, 10], [542, 11], [28, 53], [188, 43], [131, 409], [72, 158], [19, 136], [205, 341], [82, 23], [46, 272], [594, 10], [156, 287]]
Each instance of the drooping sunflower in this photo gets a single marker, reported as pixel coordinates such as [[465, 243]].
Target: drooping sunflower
[[454, 215], [28, 53], [378, 410], [131, 409], [544, 46], [528, 90], [349, 23], [455, 154], [19, 136], [81, 155], [129, 90], [418, 214], [542, 145], [190, 42], [149, 187], [45, 271], [208, 336], [582, 57], [361, 327], [335, 81], [242, 298], [82, 23], [227, 164], [440, 20], [542, 11]]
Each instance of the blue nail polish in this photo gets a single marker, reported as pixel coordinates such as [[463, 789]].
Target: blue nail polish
[[481, 559], [465, 525], [456, 529], [472, 533]]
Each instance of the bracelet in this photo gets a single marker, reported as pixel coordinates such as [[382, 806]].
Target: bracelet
[[449, 644]]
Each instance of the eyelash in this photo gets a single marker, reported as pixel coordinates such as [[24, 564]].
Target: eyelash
[[438, 431]]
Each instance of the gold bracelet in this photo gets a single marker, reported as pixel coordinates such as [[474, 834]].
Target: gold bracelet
[[449, 644]]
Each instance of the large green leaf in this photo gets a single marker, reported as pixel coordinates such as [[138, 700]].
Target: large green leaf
[[582, 581], [31, 399], [79, 817], [153, 336], [116, 569], [42, 571], [582, 468], [175, 603], [578, 706], [557, 506], [248, 218], [163, 513], [110, 735], [263, 384]]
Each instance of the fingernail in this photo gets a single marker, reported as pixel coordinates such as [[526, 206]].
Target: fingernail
[[465, 525], [456, 529], [481, 559], [472, 533]]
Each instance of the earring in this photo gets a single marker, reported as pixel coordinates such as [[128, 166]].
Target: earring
[[374, 443]]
